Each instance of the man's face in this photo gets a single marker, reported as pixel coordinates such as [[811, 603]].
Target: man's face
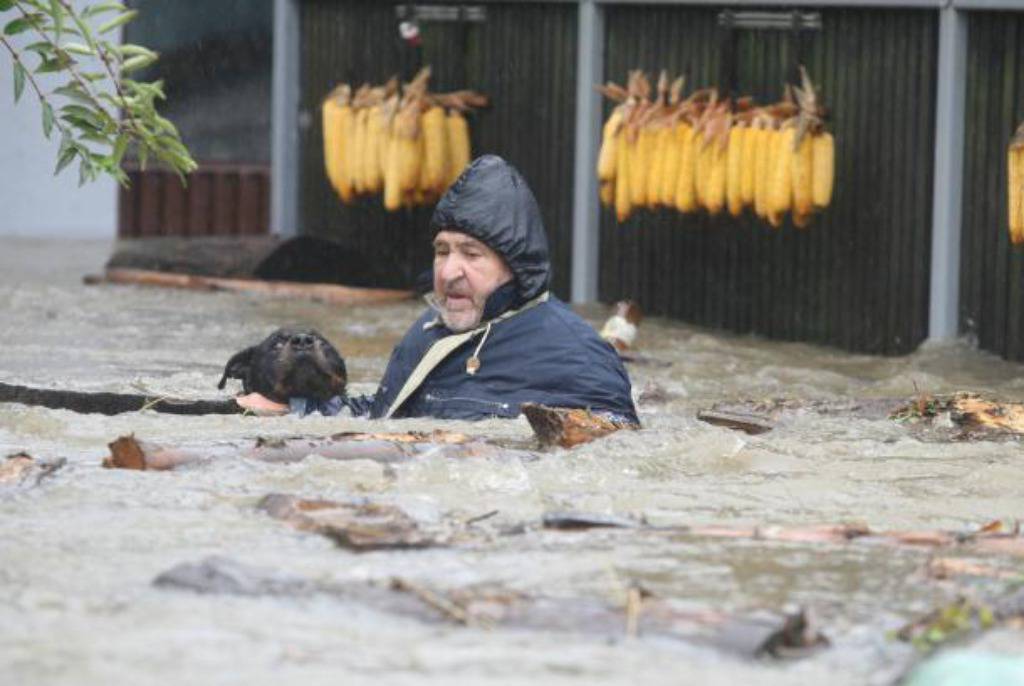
[[466, 272]]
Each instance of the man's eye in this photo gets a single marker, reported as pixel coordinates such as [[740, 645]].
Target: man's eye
[[472, 255]]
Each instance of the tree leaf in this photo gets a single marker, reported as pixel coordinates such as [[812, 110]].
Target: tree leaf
[[59, 63], [47, 119], [137, 62], [120, 147], [78, 49], [74, 91], [118, 21], [22, 24], [66, 154], [42, 48], [57, 12], [85, 171], [130, 50], [19, 80], [96, 10], [83, 29], [6, 5]]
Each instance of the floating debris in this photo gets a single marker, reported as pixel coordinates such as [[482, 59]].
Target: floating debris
[[568, 427], [493, 607], [356, 526], [747, 423], [576, 521], [21, 470]]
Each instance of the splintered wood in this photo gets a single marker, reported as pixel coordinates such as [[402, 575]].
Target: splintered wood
[[568, 427]]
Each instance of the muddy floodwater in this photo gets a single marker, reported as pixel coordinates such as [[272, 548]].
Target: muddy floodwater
[[79, 552]]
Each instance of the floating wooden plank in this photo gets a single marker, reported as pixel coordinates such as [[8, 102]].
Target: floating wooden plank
[[357, 526], [749, 635], [320, 292], [747, 423], [112, 403], [128, 452]]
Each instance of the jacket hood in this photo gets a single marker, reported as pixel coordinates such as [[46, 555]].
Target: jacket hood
[[491, 202]]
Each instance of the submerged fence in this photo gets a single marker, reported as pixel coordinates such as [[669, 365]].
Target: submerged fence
[[879, 271]]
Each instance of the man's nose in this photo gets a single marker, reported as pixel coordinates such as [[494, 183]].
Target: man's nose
[[452, 268]]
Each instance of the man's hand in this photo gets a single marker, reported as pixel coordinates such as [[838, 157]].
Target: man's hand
[[261, 405]]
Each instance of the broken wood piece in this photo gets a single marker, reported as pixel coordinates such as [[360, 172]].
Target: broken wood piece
[[435, 600], [435, 436], [577, 521], [21, 469], [379, 447], [967, 410], [332, 294], [218, 574], [127, 452], [112, 403], [356, 526], [747, 423], [748, 635], [568, 427], [798, 635], [950, 567]]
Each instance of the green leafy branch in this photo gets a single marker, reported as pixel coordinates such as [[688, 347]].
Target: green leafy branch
[[98, 114]]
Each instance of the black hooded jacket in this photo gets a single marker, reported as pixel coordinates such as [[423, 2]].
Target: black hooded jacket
[[544, 353]]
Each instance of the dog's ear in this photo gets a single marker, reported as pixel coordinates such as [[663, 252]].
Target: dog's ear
[[238, 367]]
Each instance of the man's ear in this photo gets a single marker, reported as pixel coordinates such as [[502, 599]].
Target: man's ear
[[238, 366]]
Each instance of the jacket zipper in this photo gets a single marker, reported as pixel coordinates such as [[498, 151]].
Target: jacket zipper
[[431, 396]]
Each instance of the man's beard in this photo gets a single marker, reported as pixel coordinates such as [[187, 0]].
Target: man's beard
[[462, 320]]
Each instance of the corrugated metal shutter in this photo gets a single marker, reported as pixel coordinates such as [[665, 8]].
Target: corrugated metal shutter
[[219, 199], [992, 271], [858, 278], [523, 56]]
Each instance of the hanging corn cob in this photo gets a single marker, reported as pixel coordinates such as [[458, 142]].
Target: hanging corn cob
[[1015, 179], [404, 142], [334, 114], [713, 154]]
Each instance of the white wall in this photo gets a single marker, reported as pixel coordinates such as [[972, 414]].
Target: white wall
[[33, 202]]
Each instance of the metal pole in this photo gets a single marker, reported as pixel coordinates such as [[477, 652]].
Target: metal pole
[[943, 317], [585, 210], [284, 165]]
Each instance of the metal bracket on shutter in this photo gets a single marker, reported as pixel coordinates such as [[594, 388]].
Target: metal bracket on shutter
[[441, 13], [784, 21]]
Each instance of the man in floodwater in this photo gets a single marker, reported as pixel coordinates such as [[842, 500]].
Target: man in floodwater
[[494, 337]]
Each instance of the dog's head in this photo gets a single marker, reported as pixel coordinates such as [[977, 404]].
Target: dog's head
[[289, 363]]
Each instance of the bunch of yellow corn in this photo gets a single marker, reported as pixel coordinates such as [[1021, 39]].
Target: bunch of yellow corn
[[406, 143], [1015, 179], [703, 153]]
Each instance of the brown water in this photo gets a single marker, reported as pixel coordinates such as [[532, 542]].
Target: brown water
[[79, 553]]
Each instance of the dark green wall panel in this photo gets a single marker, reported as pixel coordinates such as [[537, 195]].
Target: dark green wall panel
[[992, 270], [523, 56], [858, 278]]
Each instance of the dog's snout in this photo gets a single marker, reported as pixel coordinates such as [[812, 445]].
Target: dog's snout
[[302, 340]]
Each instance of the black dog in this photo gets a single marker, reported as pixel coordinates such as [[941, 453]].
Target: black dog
[[289, 364]]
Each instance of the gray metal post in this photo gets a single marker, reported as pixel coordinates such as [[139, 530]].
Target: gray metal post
[[943, 317], [284, 166], [585, 209]]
